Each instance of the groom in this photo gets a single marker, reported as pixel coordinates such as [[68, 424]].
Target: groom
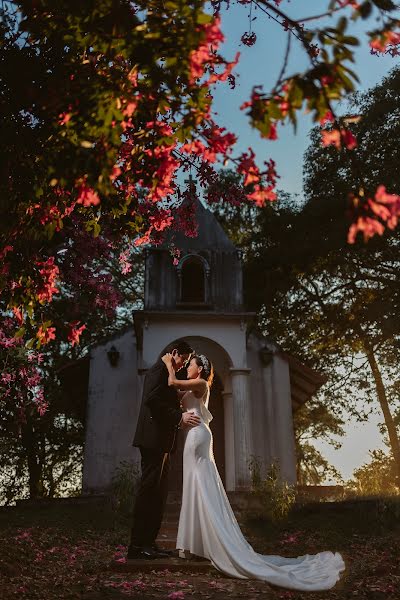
[[159, 419]]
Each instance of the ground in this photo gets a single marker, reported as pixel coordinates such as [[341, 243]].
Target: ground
[[67, 552]]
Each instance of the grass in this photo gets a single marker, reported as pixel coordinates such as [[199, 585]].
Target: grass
[[61, 552]]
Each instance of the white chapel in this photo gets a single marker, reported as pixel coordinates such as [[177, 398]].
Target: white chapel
[[257, 387]]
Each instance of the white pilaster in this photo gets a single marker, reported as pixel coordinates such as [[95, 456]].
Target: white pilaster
[[229, 433], [270, 431], [283, 419], [241, 422]]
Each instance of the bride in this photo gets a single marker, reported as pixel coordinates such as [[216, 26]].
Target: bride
[[207, 524]]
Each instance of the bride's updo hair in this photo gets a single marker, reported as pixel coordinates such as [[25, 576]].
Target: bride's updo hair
[[208, 369]]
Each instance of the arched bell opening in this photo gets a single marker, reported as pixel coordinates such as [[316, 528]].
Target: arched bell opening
[[193, 282]]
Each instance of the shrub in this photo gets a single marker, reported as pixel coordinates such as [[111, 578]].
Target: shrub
[[277, 496], [124, 486]]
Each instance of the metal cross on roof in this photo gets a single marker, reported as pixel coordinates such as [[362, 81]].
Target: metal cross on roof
[[191, 183]]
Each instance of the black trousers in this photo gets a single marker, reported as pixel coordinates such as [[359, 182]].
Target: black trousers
[[151, 497]]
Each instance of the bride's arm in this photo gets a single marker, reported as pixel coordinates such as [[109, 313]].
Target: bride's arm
[[198, 384]]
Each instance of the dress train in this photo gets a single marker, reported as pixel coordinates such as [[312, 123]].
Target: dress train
[[209, 528]]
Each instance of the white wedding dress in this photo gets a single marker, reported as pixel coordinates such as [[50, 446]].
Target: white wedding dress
[[208, 526]]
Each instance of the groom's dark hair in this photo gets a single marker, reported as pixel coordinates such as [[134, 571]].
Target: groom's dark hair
[[181, 347]]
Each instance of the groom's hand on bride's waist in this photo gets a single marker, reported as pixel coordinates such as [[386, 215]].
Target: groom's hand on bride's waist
[[189, 419]]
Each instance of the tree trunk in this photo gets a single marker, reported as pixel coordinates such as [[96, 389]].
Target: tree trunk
[[32, 457], [389, 422]]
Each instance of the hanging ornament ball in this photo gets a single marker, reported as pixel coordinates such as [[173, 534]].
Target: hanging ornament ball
[[249, 38]]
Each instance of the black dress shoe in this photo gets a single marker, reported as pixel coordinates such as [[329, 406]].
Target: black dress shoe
[[134, 552], [143, 553], [162, 551]]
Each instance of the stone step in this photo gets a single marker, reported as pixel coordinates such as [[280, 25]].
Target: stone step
[[174, 564], [172, 512], [170, 521], [168, 518], [169, 529], [167, 542]]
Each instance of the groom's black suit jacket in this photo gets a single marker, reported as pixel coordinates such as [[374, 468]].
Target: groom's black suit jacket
[[160, 412]]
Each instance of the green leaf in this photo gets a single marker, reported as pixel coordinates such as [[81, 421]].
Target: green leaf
[[203, 18], [351, 40], [342, 24], [51, 227]]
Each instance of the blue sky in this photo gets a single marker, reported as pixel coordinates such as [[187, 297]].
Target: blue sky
[[261, 64]]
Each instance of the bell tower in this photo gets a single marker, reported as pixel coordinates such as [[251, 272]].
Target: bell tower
[[207, 278]]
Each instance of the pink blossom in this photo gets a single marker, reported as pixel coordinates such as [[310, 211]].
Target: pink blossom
[[385, 206], [216, 585], [75, 332], [33, 380], [335, 137], [290, 538], [87, 196], [273, 132], [133, 77], [203, 55], [24, 535], [161, 220], [144, 239], [40, 402], [18, 315], [248, 167], [115, 172], [46, 334], [331, 138], [49, 272], [349, 139], [7, 342], [352, 3], [219, 141], [388, 38], [226, 73], [262, 195], [327, 118], [176, 596], [129, 109], [367, 226], [63, 118], [5, 251], [5, 377], [123, 259]]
